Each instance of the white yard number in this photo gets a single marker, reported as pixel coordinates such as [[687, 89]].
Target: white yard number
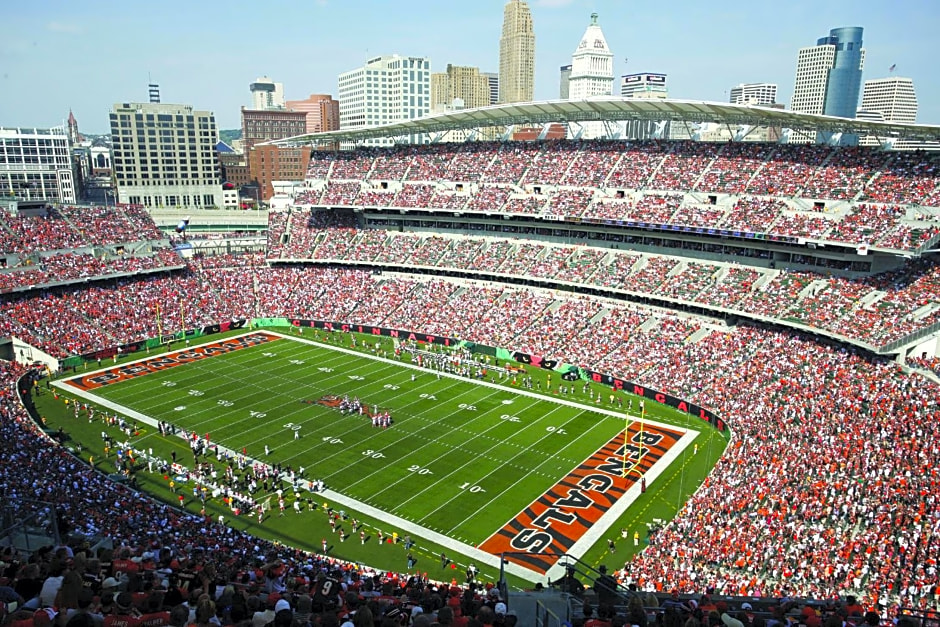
[[325, 369], [556, 430], [297, 362], [269, 354], [389, 386], [429, 397], [292, 426], [169, 384], [196, 393], [224, 403], [419, 470], [356, 377], [260, 414], [467, 407], [471, 488], [372, 454], [330, 440], [510, 418]]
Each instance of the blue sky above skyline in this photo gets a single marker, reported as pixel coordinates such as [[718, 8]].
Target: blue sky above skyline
[[58, 54]]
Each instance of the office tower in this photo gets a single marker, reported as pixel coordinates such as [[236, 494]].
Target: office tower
[[763, 94], [892, 97], [646, 85], [828, 78], [493, 79], [387, 89], [889, 99], [564, 81], [592, 65], [466, 84], [517, 54], [37, 164], [266, 94], [163, 155], [322, 112], [262, 126]]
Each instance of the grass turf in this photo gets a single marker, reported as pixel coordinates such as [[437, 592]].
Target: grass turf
[[461, 458]]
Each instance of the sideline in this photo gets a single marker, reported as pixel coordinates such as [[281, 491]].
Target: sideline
[[577, 550]]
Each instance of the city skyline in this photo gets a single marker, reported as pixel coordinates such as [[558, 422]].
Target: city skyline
[[209, 59]]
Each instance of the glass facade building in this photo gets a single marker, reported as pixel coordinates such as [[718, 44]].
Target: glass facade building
[[845, 75]]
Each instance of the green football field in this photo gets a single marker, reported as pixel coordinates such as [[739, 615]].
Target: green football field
[[461, 459]]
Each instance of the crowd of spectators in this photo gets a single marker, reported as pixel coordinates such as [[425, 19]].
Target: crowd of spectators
[[550, 165], [909, 177], [844, 174], [754, 214], [788, 169], [732, 170], [67, 228], [782, 294], [830, 483], [684, 165], [569, 174], [858, 514], [68, 267], [129, 560]]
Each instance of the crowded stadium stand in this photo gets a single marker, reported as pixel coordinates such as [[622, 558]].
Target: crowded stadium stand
[[792, 290]]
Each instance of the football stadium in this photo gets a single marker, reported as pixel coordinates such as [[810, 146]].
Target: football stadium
[[651, 379]]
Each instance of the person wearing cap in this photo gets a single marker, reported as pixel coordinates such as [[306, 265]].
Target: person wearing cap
[[569, 583]]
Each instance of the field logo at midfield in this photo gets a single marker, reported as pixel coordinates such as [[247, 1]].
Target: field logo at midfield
[[170, 360], [330, 400], [556, 520]]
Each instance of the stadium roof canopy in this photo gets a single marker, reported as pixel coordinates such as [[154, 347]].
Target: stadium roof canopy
[[615, 109]]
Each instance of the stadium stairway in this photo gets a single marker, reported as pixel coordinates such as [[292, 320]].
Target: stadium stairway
[[698, 335]]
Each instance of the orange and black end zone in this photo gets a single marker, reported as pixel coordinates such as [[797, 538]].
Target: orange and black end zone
[[556, 520], [170, 360]]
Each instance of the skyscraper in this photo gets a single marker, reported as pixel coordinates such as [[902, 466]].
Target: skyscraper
[[592, 65], [517, 54], [186, 174], [829, 76], [754, 93], [892, 97], [468, 84], [564, 81], [389, 88], [266, 94]]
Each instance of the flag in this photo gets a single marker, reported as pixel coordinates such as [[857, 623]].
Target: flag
[[893, 65]]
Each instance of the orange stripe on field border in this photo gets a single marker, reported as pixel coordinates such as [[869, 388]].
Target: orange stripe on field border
[[552, 523], [159, 363]]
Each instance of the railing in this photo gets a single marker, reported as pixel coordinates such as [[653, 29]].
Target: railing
[[28, 524]]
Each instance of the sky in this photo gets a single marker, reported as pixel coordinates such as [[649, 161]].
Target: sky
[[84, 56]]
